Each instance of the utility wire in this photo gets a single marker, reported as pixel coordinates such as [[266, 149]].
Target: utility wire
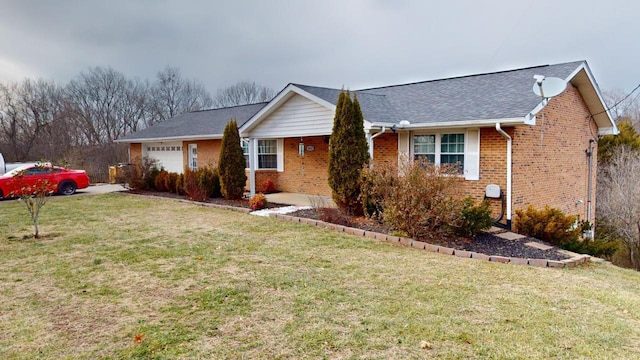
[[618, 103]]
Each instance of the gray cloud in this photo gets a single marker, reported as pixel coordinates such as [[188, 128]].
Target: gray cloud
[[332, 43]]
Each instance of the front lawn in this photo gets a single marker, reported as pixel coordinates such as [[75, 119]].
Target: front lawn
[[118, 276]]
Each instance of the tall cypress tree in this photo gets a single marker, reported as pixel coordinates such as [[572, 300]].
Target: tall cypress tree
[[348, 153], [231, 164]]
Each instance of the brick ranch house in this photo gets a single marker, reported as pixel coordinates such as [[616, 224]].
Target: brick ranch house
[[538, 151]]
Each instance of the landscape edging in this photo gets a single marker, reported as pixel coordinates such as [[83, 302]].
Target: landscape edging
[[421, 245]]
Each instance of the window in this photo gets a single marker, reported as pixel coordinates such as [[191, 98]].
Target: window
[[267, 154], [452, 150], [424, 147], [245, 152], [440, 148], [193, 156]]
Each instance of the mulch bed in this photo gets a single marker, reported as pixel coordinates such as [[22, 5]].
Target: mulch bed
[[484, 243]]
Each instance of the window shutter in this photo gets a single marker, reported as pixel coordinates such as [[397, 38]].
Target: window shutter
[[403, 147], [280, 155], [472, 155]]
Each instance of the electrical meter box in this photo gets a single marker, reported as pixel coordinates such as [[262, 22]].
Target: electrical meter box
[[492, 191]]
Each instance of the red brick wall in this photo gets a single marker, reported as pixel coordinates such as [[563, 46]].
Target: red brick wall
[[208, 152], [306, 174], [550, 166], [385, 148]]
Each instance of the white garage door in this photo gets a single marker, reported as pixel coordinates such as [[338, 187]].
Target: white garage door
[[168, 154]]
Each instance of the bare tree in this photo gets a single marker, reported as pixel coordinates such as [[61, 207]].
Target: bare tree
[[172, 95], [624, 106], [242, 93], [619, 199], [26, 110], [105, 105]]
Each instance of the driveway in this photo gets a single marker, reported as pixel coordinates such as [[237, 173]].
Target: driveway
[[95, 189]]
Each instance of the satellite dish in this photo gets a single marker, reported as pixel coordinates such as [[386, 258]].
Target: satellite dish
[[547, 87]]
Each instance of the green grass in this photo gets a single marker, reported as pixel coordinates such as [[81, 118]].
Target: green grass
[[194, 282]]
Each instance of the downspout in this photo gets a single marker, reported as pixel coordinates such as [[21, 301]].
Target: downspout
[[590, 181], [371, 137], [506, 136], [252, 167]]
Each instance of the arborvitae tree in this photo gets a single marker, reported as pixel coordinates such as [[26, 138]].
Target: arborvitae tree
[[348, 153], [609, 145], [232, 164]]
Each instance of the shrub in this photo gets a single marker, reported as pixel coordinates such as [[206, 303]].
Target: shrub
[[606, 244], [595, 247], [258, 201], [192, 188], [140, 174], [550, 225], [474, 217], [171, 181], [375, 185], [160, 181], [180, 185], [209, 180], [423, 202], [201, 184], [268, 186]]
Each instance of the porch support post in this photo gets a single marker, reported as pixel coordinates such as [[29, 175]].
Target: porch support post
[[252, 166], [370, 144]]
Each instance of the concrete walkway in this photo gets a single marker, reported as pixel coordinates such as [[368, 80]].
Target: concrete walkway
[[315, 201]]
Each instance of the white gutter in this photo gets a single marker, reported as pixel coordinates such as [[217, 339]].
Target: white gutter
[[370, 140], [506, 136], [466, 123], [171, 138]]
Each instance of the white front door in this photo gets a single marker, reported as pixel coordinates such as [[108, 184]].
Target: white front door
[[193, 156]]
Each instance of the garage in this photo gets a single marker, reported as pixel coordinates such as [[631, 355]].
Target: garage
[[168, 154]]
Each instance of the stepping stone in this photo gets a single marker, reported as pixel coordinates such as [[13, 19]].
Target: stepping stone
[[494, 230], [537, 245], [510, 236]]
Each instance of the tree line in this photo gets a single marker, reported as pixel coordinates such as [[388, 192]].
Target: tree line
[[77, 123]]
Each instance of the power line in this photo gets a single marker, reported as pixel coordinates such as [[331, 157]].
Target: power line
[[618, 103]]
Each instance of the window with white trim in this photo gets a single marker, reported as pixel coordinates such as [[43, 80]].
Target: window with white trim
[[245, 152], [268, 154], [440, 148], [452, 150], [424, 147]]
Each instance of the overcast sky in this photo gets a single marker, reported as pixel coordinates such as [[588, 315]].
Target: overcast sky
[[350, 43]]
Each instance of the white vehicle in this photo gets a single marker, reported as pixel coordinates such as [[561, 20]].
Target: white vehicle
[[6, 167]]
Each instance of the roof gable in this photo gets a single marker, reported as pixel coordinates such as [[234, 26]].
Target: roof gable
[[298, 116]]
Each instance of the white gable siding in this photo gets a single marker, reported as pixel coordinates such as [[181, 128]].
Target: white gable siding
[[298, 116]]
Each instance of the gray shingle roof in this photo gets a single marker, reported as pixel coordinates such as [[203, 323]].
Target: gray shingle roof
[[196, 124], [499, 95]]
